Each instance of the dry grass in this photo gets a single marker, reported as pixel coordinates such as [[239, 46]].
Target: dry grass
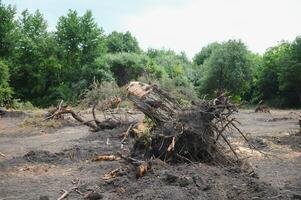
[[37, 120]]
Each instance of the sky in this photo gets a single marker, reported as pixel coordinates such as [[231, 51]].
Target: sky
[[184, 25]]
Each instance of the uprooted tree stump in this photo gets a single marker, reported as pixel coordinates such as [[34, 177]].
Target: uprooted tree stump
[[261, 107], [194, 134]]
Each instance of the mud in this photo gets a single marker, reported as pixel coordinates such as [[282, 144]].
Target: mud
[[40, 165]]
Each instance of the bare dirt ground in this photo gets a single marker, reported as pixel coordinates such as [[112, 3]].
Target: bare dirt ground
[[40, 162]]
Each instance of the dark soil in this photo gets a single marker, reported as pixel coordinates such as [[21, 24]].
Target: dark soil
[[39, 166]]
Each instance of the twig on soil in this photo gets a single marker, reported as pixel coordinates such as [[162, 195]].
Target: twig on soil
[[3, 155], [67, 192], [186, 159], [55, 112], [64, 195], [112, 174], [130, 159], [127, 133]]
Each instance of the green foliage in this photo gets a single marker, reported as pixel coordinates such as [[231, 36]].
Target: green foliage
[[126, 66], [280, 77], [80, 40], [100, 91], [5, 90], [174, 64], [43, 67], [7, 30], [227, 69], [17, 104], [205, 53], [122, 42], [34, 65]]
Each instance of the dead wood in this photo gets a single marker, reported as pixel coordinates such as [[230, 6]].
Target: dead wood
[[64, 195], [126, 134], [131, 160], [3, 155], [142, 169], [94, 124], [112, 174], [152, 101], [67, 192], [195, 134], [106, 158], [261, 107]]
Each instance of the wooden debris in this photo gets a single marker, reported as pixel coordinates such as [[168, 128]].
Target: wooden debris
[[106, 158], [198, 133], [112, 174], [94, 124], [3, 155], [261, 107], [120, 190], [142, 169], [67, 192], [152, 101], [64, 195], [131, 160], [126, 134]]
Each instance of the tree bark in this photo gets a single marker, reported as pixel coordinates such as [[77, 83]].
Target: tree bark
[[153, 102]]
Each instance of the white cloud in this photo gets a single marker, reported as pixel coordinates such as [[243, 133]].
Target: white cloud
[[259, 23]]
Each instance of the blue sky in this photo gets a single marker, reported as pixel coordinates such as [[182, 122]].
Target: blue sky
[[184, 25]]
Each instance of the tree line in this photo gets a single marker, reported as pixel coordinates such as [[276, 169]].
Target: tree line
[[42, 66]]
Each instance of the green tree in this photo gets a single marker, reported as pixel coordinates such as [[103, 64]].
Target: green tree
[[127, 66], [35, 66], [7, 30], [174, 64], [81, 41], [290, 74], [82, 49], [227, 69], [122, 42], [5, 90], [205, 53], [268, 78]]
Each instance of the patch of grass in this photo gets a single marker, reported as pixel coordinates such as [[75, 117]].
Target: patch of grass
[[248, 106], [37, 120], [17, 104]]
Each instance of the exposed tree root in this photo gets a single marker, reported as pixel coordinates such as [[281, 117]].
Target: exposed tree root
[[262, 108], [199, 133]]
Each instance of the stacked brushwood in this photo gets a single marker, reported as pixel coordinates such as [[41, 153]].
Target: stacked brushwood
[[195, 134]]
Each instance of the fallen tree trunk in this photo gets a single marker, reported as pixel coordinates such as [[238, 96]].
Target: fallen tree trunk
[[94, 124], [192, 134]]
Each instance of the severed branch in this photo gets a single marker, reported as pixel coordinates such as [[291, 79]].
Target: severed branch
[[94, 124], [130, 159], [78, 118], [127, 133], [3, 155], [67, 192]]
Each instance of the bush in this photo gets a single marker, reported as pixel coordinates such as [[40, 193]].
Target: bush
[[18, 105], [100, 91], [126, 66]]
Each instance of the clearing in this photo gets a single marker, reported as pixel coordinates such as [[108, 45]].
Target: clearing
[[40, 162]]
